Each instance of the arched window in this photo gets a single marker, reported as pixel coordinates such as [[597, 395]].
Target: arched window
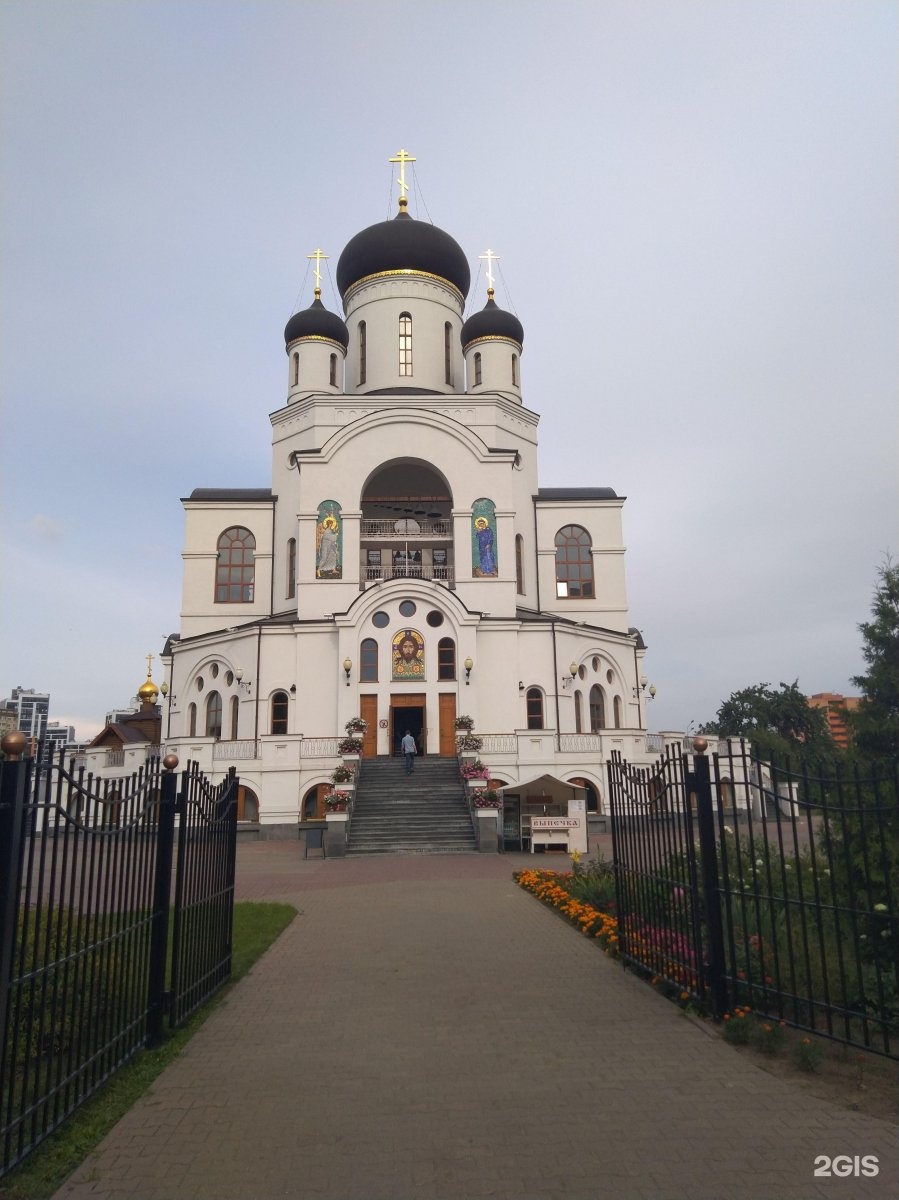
[[597, 709], [214, 715], [291, 568], [296, 369], [515, 370], [405, 344], [236, 566], [535, 708], [191, 720], [247, 804], [447, 352], [616, 711], [279, 713], [333, 370], [362, 352], [368, 661], [578, 716], [519, 564], [477, 368], [446, 659], [235, 709], [574, 563]]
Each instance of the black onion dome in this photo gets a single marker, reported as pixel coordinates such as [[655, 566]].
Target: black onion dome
[[492, 321], [316, 321], [403, 244]]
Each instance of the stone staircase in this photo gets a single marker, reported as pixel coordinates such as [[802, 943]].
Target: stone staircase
[[422, 813]]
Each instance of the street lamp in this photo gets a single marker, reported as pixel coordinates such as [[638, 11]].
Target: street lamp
[[347, 667], [468, 664]]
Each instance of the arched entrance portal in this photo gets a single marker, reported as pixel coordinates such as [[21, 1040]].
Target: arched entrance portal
[[407, 529]]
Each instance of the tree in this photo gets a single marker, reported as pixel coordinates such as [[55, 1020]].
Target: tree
[[776, 722], [875, 723]]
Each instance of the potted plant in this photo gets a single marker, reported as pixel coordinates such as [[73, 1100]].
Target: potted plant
[[474, 770], [336, 802], [350, 747], [355, 725], [469, 743], [487, 798], [465, 724], [343, 774]]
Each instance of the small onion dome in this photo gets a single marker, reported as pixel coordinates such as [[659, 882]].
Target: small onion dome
[[316, 321], [148, 692], [403, 244], [493, 322]]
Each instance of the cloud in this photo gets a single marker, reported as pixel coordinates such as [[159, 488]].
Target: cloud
[[46, 529]]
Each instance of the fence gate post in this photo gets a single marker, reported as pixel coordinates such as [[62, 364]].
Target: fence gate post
[[13, 789], [162, 887], [708, 854]]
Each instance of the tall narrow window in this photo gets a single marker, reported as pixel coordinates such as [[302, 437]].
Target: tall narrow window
[[362, 352], [279, 713], [214, 715], [616, 711], [405, 344], [333, 370], [477, 368], [368, 661], [574, 563], [191, 720], [296, 369], [519, 564], [597, 709], [446, 659], [291, 568], [447, 351], [514, 370], [535, 708], [235, 709], [578, 718], [235, 569]]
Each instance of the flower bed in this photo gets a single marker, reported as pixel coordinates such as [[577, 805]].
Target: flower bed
[[549, 886]]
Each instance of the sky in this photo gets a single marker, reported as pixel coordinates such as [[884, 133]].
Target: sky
[[694, 204]]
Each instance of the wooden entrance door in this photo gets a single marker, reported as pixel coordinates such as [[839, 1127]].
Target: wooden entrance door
[[447, 708], [368, 711]]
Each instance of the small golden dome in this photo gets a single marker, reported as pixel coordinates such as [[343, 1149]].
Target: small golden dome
[[148, 692]]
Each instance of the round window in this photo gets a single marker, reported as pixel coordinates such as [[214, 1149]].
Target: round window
[[199, 683], [407, 608], [609, 676], [582, 672], [380, 620], [229, 677], [214, 670], [595, 664], [434, 618]]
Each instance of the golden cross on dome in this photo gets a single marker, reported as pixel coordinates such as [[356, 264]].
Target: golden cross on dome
[[402, 157], [318, 255], [150, 658], [491, 259]]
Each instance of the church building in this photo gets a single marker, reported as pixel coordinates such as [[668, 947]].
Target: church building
[[404, 566]]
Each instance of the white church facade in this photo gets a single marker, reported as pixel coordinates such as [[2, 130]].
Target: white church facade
[[405, 566]]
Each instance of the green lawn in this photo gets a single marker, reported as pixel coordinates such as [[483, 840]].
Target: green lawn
[[256, 926]]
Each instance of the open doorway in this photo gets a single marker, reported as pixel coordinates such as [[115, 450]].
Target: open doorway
[[407, 712]]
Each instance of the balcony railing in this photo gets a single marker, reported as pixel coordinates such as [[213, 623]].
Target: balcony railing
[[412, 572], [498, 743], [114, 758], [244, 748], [319, 747], [406, 529], [580, 741]]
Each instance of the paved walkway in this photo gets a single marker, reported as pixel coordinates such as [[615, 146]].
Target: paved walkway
[[425, 1030]]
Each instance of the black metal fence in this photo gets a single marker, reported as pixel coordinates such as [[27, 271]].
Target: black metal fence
[[740, 882], [86, 975]]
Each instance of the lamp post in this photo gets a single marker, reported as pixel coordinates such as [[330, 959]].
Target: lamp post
[[347, 667], [468, 664]]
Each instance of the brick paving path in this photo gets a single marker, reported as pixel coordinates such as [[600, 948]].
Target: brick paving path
[[425, 1030]]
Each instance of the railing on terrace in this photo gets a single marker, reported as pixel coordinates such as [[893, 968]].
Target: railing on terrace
[[234, 751], [580, 741], [411, 572], [114, 758], [404, 530], [325, 747], [655, 743], [498, 743]]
